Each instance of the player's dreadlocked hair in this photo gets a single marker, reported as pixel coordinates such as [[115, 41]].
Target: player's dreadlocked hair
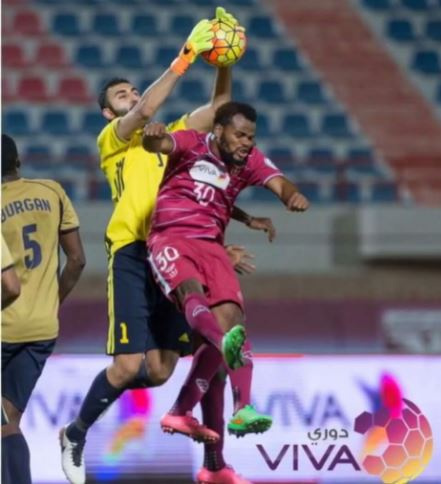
[[102, 96], [225, 113], [10, 160]]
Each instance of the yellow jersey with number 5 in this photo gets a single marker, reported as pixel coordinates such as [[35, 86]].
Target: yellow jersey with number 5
[[134, 176], [34, 213]]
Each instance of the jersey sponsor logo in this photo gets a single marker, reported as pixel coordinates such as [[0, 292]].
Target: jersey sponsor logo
[[206, 172]]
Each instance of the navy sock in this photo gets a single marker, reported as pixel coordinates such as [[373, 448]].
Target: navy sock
[[142, 379], [16, 460], [100, 396]]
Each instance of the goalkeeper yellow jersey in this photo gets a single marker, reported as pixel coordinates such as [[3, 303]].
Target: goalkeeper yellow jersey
[[34, 213], [134, 176]]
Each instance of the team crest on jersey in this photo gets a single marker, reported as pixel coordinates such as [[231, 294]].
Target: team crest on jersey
[[206, 172]]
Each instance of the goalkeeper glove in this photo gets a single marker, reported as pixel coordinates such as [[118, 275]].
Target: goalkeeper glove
[[199, 40], [228, 18]]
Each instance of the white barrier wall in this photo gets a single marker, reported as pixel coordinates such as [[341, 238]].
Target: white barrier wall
[[314, 401]]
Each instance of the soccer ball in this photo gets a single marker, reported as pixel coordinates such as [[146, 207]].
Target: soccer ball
[[229, 44]]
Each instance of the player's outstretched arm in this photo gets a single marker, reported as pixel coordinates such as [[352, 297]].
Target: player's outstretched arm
[[156, 139], [199, 40], [288, 193], [10, 286], [75, 261], [255, 223]]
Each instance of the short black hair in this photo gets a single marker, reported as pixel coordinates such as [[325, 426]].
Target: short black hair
[[225, 113], [10, 161], [102, 96]]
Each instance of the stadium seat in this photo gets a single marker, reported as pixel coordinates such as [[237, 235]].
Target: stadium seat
[[346, 192], [13, 56], [283, 156], [144, 25], [384, 192], [287, 60], [129, 57], [321, 154], [165, 55], [73, 89], [310, 92], [16, 122], [271, 91], [311, 190], [336, 126], [55, 123], [80, 156], [99, 190], [8, 94], [193, 90], [416, 5], [297, 125], [426, 62], [92, 123], [70, 188], [27, 22], [362, 154], [181, 25], [380, 5], [39, 154], [400, 30], [250, 60], [239, 91], [171, 116], [433, 29], [89, 56], [106, 25], [67, 24], [33, 89], [263, 128], [243, 3], [261, 26], [50, 54], [322, 161]]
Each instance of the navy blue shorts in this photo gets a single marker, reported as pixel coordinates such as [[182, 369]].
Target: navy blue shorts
[[22, 365], [141, 318]]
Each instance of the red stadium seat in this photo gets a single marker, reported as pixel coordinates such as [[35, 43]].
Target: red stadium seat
[[13, 56], [8, 95], [73, 89], [33, 89], [51, 54], [27, 22]]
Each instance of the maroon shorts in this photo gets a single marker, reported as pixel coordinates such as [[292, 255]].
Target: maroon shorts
[[175, 260]]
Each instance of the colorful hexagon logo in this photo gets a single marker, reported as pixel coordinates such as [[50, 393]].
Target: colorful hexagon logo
[[397, 447]]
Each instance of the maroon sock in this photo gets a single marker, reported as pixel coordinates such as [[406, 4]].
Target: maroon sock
[[201, 319], [213, 417], [241, 379], [206, 363]]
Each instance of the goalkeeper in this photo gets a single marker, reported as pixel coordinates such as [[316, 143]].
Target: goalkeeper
[[146, 335]]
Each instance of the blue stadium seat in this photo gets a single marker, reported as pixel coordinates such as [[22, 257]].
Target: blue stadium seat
[[243, 3], [427, 62], [336, 126], [400, 30], [321, 154], [80, 155], [251, 60], [261, 26], [129, 57], [106, 24], [287, 60], [263, 128], [433, 29], [16, 122], [182, 25], [193, 90], [204, 3], [239, 91], [283, 156], [297, 125], [311, 190], [66, 24], [172, 116], [271, 91], [322, 161], [90, 56], [310, 92], [165, 55], [378, 4], [55, 123], [144, 83], [360, 153], [261, 194], [99, 190], [40, 154], [144, 25], [416, 5], [92, 123], [346, 192], [384, 192], [69, 188]]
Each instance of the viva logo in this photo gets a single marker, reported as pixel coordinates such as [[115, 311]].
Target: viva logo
[[398, 442]]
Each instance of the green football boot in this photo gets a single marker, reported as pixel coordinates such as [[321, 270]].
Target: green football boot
[[248, 421], [232, 344]]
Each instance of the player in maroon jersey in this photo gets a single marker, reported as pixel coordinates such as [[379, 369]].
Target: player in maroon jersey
[[204, 176]]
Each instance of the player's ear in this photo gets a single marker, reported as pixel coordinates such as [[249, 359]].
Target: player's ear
[[108, 114]]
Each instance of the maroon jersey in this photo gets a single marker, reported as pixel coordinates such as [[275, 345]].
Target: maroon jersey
[[198, 191]]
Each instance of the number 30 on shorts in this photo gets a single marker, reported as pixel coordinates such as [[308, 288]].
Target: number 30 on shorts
[[166, 255]]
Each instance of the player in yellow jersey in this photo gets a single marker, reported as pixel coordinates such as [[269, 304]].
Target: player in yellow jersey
[[37, 219], [10, 281], [146, 334]]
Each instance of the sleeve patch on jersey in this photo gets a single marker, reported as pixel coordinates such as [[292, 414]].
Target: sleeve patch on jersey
[[206, 172]]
